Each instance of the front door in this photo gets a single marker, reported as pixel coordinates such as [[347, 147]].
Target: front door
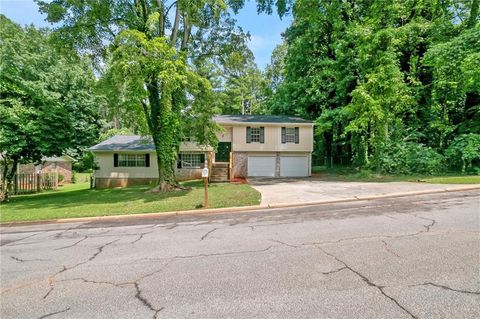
[[223, 152]]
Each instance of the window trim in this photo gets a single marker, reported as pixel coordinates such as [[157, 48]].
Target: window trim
[[131, 160], [289, 135], [296, 135], [261, 134], [199, 164]]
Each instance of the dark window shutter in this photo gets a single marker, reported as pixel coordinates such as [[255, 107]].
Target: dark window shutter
[[297, 135], [249, 137], [202, 158], [147, 160], [115, 160], [284, 135], [262, 135], [179, 161]]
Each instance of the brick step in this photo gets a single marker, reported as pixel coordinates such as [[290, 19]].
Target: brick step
[[213, 179]]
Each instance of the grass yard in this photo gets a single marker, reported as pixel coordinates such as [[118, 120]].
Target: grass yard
[[348, 174], [77, 200]]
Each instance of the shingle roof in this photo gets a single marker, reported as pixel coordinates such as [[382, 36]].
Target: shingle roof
[[125, 143], [231, 119]]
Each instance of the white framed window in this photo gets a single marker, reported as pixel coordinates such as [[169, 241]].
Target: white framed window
[[131, 160], [289, 135], [191, 160], [255, 135]]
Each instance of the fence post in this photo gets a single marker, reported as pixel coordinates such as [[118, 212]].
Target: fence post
[[15, 184], [38, 182]]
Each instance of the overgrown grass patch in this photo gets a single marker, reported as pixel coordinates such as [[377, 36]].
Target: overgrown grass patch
[[77, 200]]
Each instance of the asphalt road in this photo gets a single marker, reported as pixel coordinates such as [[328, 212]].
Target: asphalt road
[[415, 257]]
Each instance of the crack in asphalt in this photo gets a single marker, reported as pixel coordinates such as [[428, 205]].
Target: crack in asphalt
[[136, 284], [333, 271], [240, 252], [428, 226], [447, 288], [145, 302], [140, 237], [207, 233], [120, 285], [26, 260], [58, 235], [54, 313], [283, 243], [76, 243], [369, 282], [6, 242], [387, 248], [51, 279]]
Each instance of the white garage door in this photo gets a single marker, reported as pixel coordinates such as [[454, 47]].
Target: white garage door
[[261, 166], [293, 166]]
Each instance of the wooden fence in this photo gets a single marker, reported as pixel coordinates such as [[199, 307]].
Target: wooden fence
[[34, 182]]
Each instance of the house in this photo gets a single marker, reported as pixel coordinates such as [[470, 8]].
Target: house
[[60, 164], [249, 146]]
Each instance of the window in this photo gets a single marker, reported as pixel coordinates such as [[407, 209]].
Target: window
[[290, 135], [255, 134], [132, 160], [191, 160]]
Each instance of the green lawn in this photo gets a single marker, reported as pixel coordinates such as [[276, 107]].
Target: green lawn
[[348, 174], [77, 200]]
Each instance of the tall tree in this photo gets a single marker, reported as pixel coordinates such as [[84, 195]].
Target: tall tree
[[390, 84], [47, 100], [149, 48]]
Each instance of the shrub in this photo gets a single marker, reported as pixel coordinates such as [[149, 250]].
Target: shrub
[[409, 158], [74, 177], [61, 178], [464, 152]]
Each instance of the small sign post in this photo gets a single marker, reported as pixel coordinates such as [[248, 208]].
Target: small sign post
[[205, 180]]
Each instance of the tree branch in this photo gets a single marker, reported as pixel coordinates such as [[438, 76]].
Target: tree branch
[[186, 32], [176, 24], [161, 18], [472, 19], [168, 9]]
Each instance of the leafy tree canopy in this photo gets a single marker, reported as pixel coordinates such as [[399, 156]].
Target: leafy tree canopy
[[378, 76], [47, 100]]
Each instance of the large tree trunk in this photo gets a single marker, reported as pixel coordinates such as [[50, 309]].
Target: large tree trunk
[[164, 131], [8, 175]]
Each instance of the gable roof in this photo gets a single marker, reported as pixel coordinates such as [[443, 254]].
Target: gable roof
[[63, 158], [276, 119], [125, 143]]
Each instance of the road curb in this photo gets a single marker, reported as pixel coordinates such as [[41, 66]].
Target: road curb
[[238, 209]]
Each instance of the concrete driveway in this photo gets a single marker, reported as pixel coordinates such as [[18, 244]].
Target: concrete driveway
[[305, 190]]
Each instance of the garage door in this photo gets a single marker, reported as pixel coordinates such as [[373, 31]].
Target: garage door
[[261, 166], [293, 166]]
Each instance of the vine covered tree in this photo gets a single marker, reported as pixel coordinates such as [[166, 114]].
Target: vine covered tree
[[148, 53]]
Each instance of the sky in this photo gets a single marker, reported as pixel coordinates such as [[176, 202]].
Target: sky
[[265, 30]]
